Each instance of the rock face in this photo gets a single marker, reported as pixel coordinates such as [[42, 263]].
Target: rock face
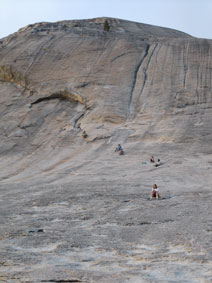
[[69, 92]]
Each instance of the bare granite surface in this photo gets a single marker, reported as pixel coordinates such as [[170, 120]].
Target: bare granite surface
[[71, 208]]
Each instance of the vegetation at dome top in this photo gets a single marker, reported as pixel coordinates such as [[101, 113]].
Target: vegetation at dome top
[[106, 25]]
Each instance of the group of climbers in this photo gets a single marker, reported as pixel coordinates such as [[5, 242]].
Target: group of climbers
[[152, 160], [120, 149], [155, 190]]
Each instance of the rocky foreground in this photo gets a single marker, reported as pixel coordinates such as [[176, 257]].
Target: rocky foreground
[[72, 209]]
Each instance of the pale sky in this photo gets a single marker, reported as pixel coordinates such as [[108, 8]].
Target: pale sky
[[191, 16]]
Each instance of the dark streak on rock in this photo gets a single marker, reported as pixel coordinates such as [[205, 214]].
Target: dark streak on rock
[[185, 67], [145, 71], [62, 281], [135, 77], [82, 85], [115, 58], [77, 120], [100, 138], [60, 95]]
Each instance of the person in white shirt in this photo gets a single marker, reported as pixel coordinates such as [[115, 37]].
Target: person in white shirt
[[155, 192]]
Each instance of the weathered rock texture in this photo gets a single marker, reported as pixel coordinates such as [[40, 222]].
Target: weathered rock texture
[[71, 208]]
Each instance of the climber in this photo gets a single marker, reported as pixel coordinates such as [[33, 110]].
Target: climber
[[158, 163], [121, 152], [152, 160], [155, 192], [119, 148]]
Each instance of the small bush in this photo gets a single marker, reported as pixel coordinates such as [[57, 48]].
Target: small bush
[[84, 134], [106, 25]]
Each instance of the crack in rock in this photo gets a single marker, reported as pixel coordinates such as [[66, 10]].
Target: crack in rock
[[63, 94], [135, 77], [63, 281]]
